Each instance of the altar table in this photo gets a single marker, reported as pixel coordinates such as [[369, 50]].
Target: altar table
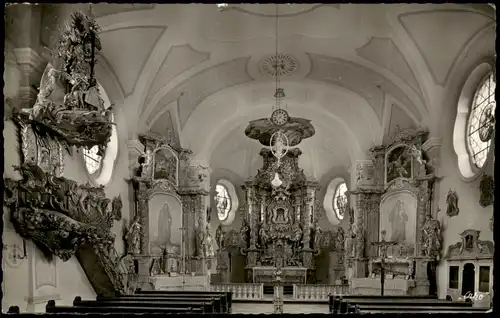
[[290, 274]]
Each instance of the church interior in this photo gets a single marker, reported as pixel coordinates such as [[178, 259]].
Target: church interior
[[342, 162]]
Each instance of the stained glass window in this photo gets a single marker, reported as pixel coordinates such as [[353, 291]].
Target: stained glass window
[[340, 200], [481, 122], [223, 202]]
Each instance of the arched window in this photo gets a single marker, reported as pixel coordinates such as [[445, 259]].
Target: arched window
[[223, 202], [481, 122], [340, 200], [95, 161]]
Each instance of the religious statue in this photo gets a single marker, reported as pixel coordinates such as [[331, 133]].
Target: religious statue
[[398, 219], [339, 239], [316, 235], [297, 234], [487, 190], [349, 241], [245, 234], [263, 237], [209, 214], [452, 202], [116, 208], [219, 236], [208, 248], [431, 237], [133, 236]]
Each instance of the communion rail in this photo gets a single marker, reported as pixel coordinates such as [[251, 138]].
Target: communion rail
[[318, 292], [240, 291]]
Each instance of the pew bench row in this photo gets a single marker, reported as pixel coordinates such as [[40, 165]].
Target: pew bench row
[[397, 304]]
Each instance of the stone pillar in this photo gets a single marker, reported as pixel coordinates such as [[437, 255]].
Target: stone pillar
[[23, 29]]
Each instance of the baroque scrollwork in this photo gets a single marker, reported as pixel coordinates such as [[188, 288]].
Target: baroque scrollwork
[[80, 118], [59, 214]]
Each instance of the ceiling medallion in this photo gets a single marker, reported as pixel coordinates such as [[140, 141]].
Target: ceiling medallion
[[281, 64]]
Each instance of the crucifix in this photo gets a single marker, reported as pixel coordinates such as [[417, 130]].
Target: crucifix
[[383, 245]]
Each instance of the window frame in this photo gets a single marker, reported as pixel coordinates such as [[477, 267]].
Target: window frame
[[336, 194], [97, 177], [484, 79], [230, 200]]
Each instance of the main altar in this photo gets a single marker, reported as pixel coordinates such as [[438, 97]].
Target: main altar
[[278, 221]]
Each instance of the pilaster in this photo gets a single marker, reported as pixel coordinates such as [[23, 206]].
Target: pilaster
[[32, 66]]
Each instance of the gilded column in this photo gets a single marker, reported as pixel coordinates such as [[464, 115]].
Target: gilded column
[[263, 205]]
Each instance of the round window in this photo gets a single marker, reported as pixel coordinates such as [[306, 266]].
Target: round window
[[481, 123], [340, 200], [223, 202]]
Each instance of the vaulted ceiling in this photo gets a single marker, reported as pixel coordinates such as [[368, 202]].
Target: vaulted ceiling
[[356, 70]]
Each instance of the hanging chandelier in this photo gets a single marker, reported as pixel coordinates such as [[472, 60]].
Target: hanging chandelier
[[278, 142]]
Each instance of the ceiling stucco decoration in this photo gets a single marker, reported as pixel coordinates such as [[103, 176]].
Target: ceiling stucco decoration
[[127, 50], [201, 85], [104, 9], [179, 59], [284, 10], [452, 29], [359, 79], [383, 52], [284, 64]]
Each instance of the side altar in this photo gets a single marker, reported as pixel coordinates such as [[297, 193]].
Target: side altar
[[394, 199]]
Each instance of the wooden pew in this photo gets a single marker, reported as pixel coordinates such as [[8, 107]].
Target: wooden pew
[[228, 295], [206, 306], [216, 300], [52, 309], [400, 304]]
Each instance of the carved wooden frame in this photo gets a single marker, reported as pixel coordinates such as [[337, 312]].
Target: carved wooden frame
[[389, 151]]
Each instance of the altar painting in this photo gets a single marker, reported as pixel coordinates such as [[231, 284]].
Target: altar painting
[[398, 163], [398, 217], [165, 165], [165, 212]]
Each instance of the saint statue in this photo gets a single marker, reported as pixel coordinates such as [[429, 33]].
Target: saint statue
[[133, 236], [339, 239], [208, 247], [245, 234], [316, 235], [398, 219], [452, 202], [349, 241], [219, 236], [431, 237]]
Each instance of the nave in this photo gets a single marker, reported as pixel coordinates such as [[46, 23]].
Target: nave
[[244, 158]]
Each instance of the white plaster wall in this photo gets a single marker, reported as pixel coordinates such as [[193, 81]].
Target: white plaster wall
[[471, 215]]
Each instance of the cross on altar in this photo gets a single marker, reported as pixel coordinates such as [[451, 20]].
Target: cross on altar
[[383, 245]]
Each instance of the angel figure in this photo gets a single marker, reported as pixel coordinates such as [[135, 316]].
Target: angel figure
[[47, 86], [219, 236], [416, 152]]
